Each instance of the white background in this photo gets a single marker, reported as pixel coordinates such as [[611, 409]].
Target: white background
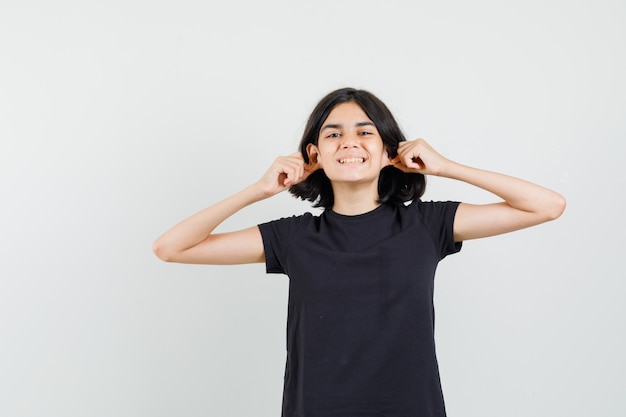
[[120, 118]]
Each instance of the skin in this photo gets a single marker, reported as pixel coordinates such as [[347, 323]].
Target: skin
[[348, 135]]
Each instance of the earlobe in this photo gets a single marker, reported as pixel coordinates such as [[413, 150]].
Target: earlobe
[[313, 154], [387, 160]]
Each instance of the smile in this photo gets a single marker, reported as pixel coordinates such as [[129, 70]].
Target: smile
[[351, 160]]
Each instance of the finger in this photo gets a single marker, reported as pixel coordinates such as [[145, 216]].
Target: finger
[[296, 160], [400, 165], [409, 164], [294, 169], [291, 176], [417, 163], [294, 172]]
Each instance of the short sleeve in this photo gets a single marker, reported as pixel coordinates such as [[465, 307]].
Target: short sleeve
[[277, 236], [438, 217]]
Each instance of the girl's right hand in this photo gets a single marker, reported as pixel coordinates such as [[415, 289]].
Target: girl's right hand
[[283, 173]]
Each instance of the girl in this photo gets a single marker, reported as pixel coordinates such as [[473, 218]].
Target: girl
[[360, 325]]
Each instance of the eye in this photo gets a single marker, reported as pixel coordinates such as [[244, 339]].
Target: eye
[[333, 135], [365, 133]]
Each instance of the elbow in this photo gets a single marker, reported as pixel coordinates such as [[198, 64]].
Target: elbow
[[160, 250], [556, 207]]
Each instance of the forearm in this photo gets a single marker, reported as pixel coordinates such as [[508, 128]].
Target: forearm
[[199, 226], [517, 193], [525, 204]]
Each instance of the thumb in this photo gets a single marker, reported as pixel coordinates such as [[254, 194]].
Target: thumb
[[397, 163]]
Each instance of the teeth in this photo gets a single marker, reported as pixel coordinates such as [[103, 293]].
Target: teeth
[[350, 160]]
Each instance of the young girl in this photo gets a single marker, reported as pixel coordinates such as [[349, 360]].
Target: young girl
[[360, 326]]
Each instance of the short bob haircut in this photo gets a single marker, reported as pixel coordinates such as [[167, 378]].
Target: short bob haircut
[[394, 185]]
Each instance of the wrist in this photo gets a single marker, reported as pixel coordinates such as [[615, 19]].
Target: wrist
[[258, 191], [450, 169]]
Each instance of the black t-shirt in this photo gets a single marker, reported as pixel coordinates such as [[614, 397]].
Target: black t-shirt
[[360, 324]]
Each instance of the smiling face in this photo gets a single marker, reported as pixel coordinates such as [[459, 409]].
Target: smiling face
[[349, 147]]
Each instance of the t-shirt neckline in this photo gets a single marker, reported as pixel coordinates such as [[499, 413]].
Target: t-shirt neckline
[[356, 217]]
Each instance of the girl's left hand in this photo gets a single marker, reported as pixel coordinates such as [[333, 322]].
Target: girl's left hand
[[418, 156]]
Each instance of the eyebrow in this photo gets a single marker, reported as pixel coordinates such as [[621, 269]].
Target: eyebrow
[[339, 126]]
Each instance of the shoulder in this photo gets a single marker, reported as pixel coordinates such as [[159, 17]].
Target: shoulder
[[438, 218], [296, 219], [278, 237], [430, 210], [289, 225]]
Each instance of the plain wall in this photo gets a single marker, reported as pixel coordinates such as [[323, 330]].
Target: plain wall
[[120, 118]]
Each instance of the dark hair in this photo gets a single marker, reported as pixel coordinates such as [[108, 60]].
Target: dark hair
[[394, 186]]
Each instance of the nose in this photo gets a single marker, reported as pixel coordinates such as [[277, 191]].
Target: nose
[[350, 140]]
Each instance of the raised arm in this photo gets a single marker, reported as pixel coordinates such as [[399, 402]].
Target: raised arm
[[193, 241], [524, 204]]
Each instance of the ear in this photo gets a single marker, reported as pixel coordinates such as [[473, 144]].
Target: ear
[[313, 153], [386, 159]]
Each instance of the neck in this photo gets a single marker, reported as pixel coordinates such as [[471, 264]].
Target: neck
[[351, 200]]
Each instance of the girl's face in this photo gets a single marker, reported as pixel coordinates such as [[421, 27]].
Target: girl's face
[[349, 147]]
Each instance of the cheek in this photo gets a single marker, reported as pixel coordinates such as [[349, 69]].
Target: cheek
[[325, 156]]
